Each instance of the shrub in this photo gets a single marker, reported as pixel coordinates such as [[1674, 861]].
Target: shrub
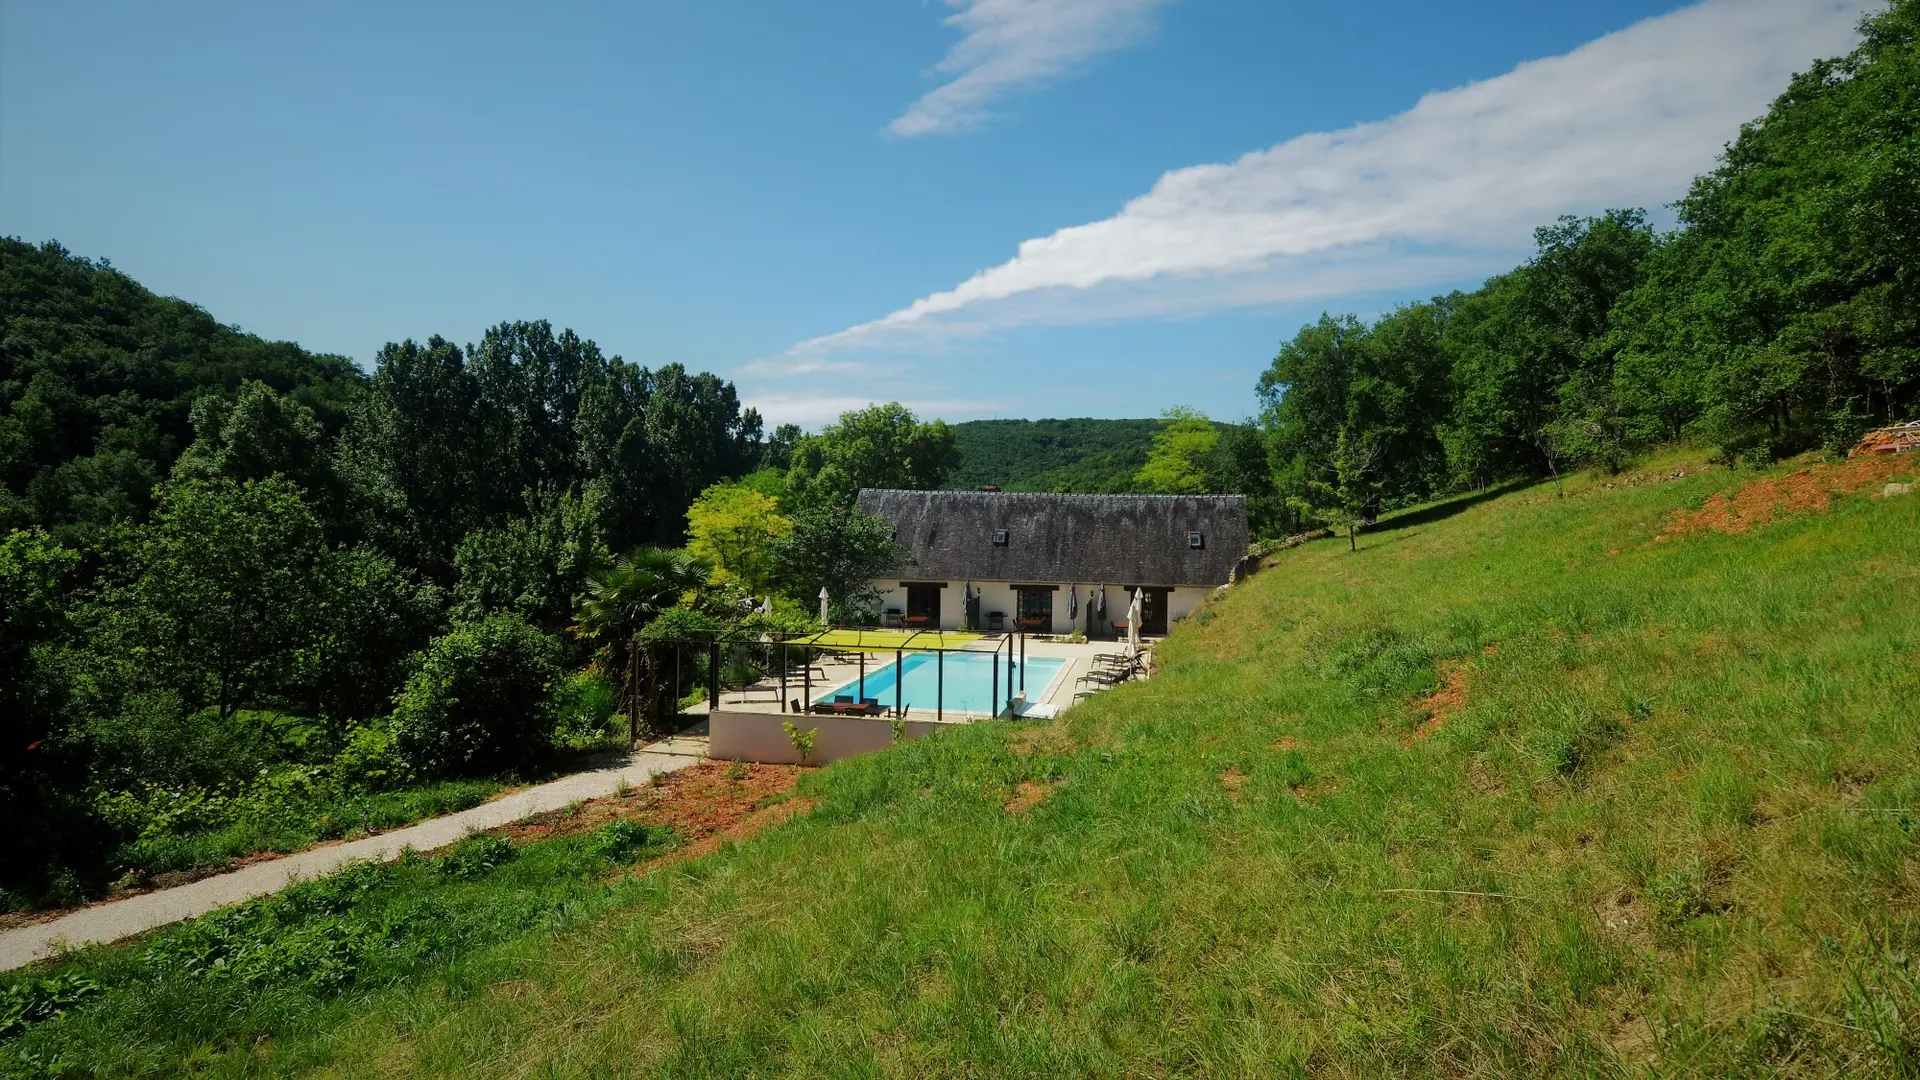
[[36, 999], [620, 840], [476, 856], [479, 701], [370, 759], [583, 709]]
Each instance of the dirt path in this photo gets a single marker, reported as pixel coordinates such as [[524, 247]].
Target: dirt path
[[137, 914]]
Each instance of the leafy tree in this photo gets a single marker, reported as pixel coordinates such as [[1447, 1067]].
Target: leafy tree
[[779, 450], [1239, 465], [257, 434], [1304, 397], [881, 446], [534, 565], [370, 614], [1346, 502], [621, 600], [1182, 449], [736, 528], [215, 597], [1529, 350], [37, 765], [840, 549]]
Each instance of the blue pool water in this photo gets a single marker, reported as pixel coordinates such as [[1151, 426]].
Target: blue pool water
[[968, 680]]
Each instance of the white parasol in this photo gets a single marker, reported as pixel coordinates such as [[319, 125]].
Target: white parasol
[[823, 607], [1133, 624]]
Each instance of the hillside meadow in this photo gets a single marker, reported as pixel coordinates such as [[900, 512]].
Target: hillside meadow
[[1615, 780]]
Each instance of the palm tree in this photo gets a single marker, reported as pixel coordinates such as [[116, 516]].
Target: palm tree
[[622, 599]]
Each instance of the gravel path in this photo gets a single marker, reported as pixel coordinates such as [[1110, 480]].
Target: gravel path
[[136, 914]]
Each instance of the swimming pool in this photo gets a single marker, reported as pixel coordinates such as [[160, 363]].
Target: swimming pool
[[967, 680]]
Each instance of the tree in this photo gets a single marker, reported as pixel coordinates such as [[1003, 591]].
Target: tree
[[881, 446], [1346, 501], [216, 596], [534, 565], [621, 600], [840, 549], [1177, 464], [37, 766], [1239, 465], [737, 528], [1785, 313]]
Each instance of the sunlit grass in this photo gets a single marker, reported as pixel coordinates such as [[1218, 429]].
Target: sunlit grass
[[1670, 829], [886, 641]]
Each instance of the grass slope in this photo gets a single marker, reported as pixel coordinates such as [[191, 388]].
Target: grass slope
[[1516, 789]]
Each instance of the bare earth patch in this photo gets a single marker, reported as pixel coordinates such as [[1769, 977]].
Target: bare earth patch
[[1233, 780], [1028, 796], [700, 802], [1809, 490], [1442, 703]]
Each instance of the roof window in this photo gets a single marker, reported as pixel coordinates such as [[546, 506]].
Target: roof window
[[1196, 542], [999, 538]]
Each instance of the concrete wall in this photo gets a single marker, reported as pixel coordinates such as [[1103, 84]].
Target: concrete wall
[[759, 736]]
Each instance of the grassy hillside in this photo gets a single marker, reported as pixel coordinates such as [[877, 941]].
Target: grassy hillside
[[1620, 782], [1051, 455]]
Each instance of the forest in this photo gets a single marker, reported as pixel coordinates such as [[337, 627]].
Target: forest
[[254, 597], [1781, 315]]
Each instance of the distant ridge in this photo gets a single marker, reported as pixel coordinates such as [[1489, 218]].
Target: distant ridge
[[1080, 454]]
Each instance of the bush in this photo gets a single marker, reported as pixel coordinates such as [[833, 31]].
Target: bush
[[617, 841], [476, 856], [370, 759], [479, 701], [583, 708]]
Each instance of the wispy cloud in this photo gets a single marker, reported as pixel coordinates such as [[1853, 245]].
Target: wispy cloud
[[1449, 188], [1013, 44], [812, 410]]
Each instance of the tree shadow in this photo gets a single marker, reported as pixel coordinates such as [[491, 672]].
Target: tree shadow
[[1440, 511]]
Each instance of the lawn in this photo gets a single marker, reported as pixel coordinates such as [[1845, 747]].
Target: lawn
[[1528, 785], [886, 641]]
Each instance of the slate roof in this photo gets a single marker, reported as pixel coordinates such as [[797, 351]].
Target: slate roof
[[1118, 539]]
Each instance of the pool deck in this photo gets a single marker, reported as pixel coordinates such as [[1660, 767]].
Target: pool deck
[[1060, 693]]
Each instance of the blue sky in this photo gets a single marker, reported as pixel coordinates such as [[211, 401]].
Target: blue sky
[[828, 201]]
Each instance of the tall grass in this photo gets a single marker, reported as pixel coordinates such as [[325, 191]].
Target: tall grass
[[1669, 831]]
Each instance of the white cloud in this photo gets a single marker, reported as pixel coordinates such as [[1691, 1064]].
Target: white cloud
[[812, 410], [1450, 188], [1012, 44]]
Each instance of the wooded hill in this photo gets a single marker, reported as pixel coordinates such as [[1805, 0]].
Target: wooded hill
[[1051, 455]]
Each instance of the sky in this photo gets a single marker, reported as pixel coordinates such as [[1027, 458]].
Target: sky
[[977, 207]]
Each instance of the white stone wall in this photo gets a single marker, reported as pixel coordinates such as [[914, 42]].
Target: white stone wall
[[1000, 596]]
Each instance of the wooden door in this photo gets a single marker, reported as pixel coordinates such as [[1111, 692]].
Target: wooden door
[[923, 607], [1153, 611]]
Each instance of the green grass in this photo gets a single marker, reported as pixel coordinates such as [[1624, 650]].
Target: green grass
[[299, 823], [299, 962], [1670, 831], [892, 640]]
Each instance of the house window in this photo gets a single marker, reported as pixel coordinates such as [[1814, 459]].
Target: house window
[[1195, 541], [1036, 609], [999, 538]]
